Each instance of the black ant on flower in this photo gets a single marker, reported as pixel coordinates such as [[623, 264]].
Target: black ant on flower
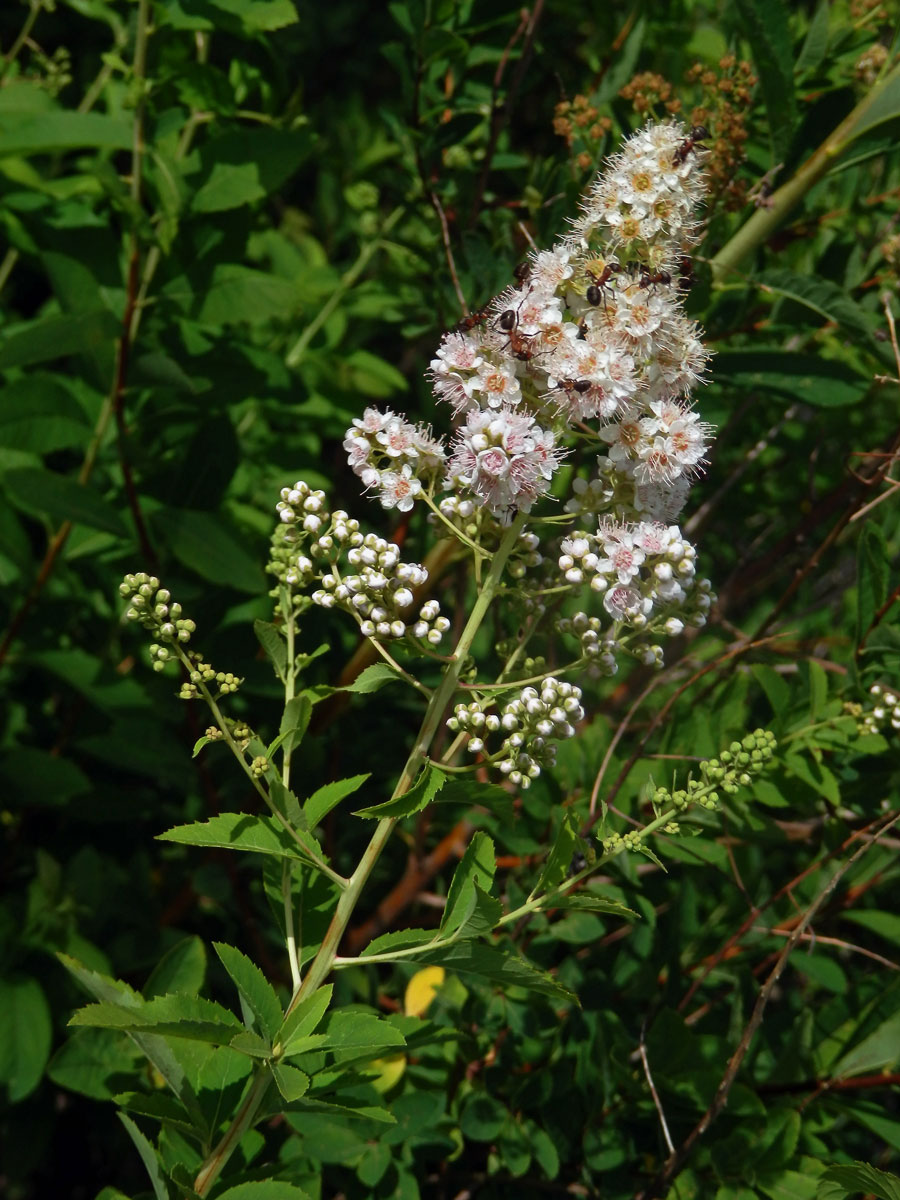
[[698, 133]]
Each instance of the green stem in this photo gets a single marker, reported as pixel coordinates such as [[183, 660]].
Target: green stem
[[24, 34], [309, 855], [323, 963], [348, 279], [766, 220]]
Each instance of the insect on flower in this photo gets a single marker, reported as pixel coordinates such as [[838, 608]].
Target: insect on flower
[[698, 133]]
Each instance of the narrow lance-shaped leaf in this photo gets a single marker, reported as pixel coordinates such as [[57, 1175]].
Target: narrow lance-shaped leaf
[[253, 986], [478, 864], [419, 796]]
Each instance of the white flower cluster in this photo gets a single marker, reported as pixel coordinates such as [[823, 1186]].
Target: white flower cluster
[[884, 711], [393, 456], [647, 197], [646, 575], [533, 722], [594, 331]]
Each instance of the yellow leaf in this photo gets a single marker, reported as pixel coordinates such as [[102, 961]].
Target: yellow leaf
[[421, 990], [386, 1072]]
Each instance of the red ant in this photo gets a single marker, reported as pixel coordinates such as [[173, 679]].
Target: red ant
[[685, 273], [469, 322], [648, 280], [575, 385], [699, 133], [595, 290], [519, 343]]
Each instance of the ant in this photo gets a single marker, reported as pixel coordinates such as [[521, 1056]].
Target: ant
[[685, 273], [648, 280], [471, 321], [699, 133], [575, 385], [518, 342], [522, 271], [595, 290]]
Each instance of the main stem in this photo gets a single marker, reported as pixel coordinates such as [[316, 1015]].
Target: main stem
[[322, 964], [766, 220]]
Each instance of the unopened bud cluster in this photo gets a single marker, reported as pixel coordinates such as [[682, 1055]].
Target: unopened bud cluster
[[733, 769], [533, 722], [154, 607], [220, 683]]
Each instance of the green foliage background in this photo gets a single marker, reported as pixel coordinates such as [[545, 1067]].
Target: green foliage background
[[281, 265]]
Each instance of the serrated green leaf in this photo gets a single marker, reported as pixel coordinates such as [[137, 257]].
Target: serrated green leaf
[[272, 641], [372, 679], [189, 1017], [237, 831], [858, 1177], [158, 1106], [239, 295], [291, 1082], [559, 859], [37, 413], [114, 992], [872, 577], [879, 1050], [204, 543], [254, 987], [884, 924], [62, 499], [149, 1157], [243, 165], [251, 1044], [477, 865], [765, 25], [828, 300], [360, 1033], [200, 743], [25, 1035], [58, 336], [399, 939], [295, 722], [810, 378], [181, 969], [497, 966], [305, 1018], [586, 901], [324, 799], [42, 133], [815, 44], [264, 1189], [419, 796]]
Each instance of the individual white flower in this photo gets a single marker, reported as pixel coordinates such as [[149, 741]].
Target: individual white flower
[[399, 488]]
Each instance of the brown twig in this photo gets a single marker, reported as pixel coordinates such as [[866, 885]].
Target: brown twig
[[448, 250], [727, 947], [660, 1184], [499, 111], [642, 1048]]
